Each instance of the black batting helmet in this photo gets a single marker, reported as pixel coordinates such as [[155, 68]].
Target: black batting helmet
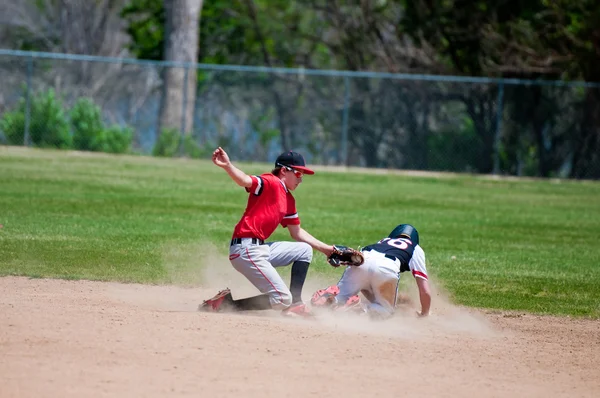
[[407, 231]]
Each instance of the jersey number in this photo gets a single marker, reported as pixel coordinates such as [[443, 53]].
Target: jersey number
[[400, 243]]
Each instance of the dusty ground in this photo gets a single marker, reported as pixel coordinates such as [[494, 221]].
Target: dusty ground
[[88, 339]]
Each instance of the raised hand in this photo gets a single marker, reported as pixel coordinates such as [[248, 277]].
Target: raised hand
[[220, 157]]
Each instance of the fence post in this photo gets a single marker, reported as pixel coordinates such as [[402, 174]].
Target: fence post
[[26, 137], [345, 121], [184, 109], [499, 118]]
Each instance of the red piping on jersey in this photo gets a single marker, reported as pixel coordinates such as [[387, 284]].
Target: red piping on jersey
[[419, 273], [264, 276]]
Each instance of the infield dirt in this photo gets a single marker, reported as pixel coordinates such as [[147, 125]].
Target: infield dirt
[[63, 338]]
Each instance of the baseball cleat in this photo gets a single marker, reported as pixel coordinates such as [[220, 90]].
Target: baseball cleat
[[353, 304], [324, 297], [298, 309], [218, 302]]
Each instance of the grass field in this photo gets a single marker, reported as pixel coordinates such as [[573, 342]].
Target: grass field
[[491, 243]]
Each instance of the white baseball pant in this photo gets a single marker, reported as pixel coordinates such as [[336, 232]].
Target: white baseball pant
[[257, 263], [379, 275]]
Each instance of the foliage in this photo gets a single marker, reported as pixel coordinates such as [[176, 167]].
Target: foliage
[[537, 39], [453, 150], [275, 32], [170, 143], [146, 26], [193, 150], [49, 125], [90, 133], [12, 125], [167, 144], [52, 126], [88, 128], [117, 139]]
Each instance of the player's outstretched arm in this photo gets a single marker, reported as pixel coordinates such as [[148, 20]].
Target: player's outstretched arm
[[301, 235], [221, 159], [424, 296]]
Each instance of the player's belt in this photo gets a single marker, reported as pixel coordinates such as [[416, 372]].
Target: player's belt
[[387, 255], [255, 241]]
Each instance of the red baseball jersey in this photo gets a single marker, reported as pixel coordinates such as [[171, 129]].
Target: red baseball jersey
[[270, 203]]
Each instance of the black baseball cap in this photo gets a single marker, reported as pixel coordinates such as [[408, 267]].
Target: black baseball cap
[[293, 160]]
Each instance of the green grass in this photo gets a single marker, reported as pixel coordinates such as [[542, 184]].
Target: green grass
[[518, 244]]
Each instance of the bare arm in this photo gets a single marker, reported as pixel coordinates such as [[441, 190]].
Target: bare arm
[[237, 175], [301, 235], [424, 296], [221, 159]]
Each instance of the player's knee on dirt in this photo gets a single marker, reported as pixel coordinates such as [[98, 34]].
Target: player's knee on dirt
[[281, 300], [305, 252]]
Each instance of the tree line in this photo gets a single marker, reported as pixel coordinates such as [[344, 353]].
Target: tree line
[[536, 39]]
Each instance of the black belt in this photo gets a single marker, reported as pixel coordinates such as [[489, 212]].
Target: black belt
[[387, 255], [255, 241]]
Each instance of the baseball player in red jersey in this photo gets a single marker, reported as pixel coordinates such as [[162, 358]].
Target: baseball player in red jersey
[[270, 203]]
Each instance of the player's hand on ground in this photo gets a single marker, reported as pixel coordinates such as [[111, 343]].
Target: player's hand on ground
[[220, 157]]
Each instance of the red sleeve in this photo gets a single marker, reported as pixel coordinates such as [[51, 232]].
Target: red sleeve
[[291, 215], [258, 185]]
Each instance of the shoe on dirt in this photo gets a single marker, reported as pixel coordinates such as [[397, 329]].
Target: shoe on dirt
[[298, 309], [325, 297], [353, 304], [219, 302]]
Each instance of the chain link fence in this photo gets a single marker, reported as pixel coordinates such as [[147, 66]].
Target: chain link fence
[[417, 122]]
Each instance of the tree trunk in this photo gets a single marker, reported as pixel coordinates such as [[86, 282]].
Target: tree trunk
[[181, 45]]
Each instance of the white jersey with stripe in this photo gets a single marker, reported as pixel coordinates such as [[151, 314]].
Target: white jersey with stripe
[[409, 256], [417, 263]]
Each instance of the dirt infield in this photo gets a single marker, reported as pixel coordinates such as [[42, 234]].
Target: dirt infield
[[90, 339]]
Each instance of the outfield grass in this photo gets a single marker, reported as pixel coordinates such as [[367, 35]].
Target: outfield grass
[[500, 244]]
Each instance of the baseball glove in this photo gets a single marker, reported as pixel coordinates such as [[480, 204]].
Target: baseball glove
[[344, 255]]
